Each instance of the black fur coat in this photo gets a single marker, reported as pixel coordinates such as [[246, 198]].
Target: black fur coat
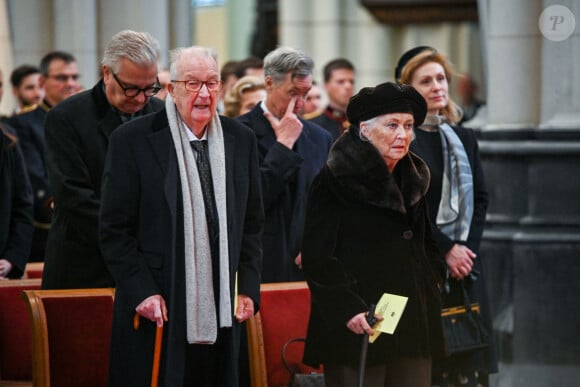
[[367, 233]]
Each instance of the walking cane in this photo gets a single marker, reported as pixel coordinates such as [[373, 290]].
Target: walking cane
[[156, 352], [365, 344]]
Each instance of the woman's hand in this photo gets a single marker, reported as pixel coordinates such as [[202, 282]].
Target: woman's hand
[[359, 325], [460, 261]]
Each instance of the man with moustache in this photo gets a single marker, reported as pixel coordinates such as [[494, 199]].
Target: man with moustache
[[26, 87]]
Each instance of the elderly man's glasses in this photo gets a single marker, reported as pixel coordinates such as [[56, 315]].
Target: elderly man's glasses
[[195, 86], [134, 91]]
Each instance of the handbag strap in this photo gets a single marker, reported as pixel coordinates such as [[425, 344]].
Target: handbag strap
[[283, 353], [466, 299]]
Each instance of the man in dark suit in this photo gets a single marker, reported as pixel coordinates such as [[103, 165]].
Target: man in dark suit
[[77, 134], [59, 79], [180, 226], [339, 87], [291, 151], [15, 204]]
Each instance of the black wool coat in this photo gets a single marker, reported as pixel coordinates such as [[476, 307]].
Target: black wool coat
[[77, 132], [141, 231], [286, 175], [366, 234], [15, 207]]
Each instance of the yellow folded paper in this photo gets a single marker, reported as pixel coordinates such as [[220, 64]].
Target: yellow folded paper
[[390, 308]]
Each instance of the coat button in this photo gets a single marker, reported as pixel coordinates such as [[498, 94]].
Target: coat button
[[408, 234]]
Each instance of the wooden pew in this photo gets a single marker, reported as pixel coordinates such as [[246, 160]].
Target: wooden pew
[[15, 333], [71, 331], [284, 312]]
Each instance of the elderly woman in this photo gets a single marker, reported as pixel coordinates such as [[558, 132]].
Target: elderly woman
[[246, 93], [457, 200], [367, 233]]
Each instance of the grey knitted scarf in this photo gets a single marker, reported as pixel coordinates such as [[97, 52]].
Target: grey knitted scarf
[[202, 324]]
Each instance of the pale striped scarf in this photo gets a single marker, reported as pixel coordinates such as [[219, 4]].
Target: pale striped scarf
[[456, 205], [201, 316]]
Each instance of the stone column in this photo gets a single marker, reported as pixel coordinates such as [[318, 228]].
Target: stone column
[[6, 60], [32, 34], [75, 31], [139, 15], [514, 59], [241, 21], [531, 150], [294, 28], [560, 86], [180, 23]]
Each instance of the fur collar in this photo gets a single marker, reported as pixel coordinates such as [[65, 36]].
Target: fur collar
[[360, 174]]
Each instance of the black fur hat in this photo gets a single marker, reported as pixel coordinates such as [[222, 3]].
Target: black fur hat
[[386, 98]]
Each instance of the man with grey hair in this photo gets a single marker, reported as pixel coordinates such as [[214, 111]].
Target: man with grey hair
[[291, 152], [77, 132], [180, 226]]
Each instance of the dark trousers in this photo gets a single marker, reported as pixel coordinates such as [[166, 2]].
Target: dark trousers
[[397, 372], [204, 364]]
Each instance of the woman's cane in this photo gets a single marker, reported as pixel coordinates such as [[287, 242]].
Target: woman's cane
[[365, 344], [156, 352]]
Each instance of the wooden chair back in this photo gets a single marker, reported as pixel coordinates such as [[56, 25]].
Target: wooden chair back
[[15, 333], [284, 312], [33, 270], [71, 333]]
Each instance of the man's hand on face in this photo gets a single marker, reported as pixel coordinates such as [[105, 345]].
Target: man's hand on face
[[289, 127]]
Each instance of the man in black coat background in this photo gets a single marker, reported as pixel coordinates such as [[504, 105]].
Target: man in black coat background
[[77, 135], [291, 152], [59, 79], [15, 204]]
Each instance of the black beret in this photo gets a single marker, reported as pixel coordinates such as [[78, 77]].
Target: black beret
[[386, 98], [407, 56]]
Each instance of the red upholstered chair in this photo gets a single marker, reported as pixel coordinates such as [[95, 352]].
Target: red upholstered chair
[[33, 270], [15, 334], [284, 312], [71, 332]]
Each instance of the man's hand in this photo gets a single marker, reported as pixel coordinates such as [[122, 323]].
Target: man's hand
[[153, 308], [460, 261], [5, 268], [288, 128], [298, 260], [245, 308]]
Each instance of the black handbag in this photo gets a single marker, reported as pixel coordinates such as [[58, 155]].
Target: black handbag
[[463, 327], [298, 379]]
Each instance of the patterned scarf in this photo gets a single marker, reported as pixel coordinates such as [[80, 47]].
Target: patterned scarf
[[201, 316], [456, 206]]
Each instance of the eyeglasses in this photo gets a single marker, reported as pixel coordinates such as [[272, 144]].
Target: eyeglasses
[[195, 86], [64, 77], [134, 91]]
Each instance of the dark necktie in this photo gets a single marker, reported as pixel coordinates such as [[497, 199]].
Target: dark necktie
[[211, 217], [204, 170]]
